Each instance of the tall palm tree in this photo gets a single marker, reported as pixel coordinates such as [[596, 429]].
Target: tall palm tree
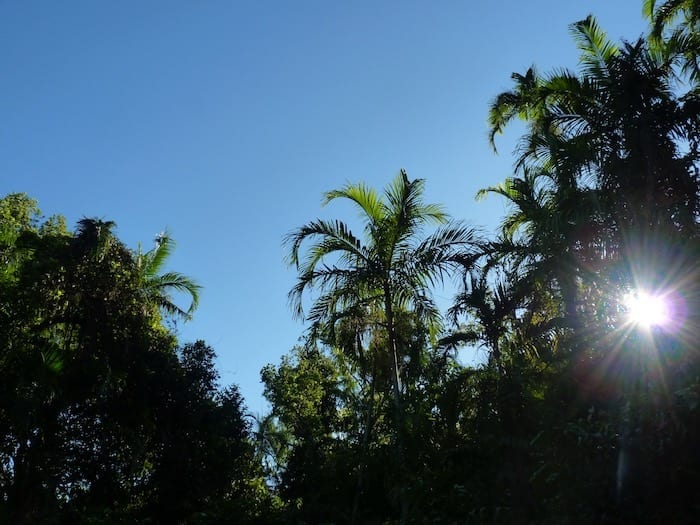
[[387, 271], [158, 287], [615, 128], [619, 132], [392, 269]]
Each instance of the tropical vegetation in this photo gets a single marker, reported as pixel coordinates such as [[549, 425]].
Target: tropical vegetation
[[583, 305]]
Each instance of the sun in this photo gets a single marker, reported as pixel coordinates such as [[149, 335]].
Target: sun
[[646, 310]]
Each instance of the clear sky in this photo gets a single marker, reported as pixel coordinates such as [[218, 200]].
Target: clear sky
[[224, 121]]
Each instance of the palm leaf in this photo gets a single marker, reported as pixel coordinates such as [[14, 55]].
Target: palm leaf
[[597, 51], [363, 196]]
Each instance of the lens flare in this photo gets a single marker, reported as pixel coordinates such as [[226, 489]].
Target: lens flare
[[646, 310]]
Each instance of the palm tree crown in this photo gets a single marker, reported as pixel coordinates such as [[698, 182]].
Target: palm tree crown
[[158, 287], [391, 268]]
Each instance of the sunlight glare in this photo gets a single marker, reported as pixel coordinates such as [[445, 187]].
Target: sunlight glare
[[646, 310]]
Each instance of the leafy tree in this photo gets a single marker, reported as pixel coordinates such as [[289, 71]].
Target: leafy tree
[[308, 401], [608, 173], [100, 419], [201, 454], [389, 272]]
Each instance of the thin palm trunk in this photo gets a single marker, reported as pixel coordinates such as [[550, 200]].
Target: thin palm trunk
[[366, 437], [398, 409]]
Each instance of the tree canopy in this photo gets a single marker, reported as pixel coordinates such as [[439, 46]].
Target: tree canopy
[[584, 305]]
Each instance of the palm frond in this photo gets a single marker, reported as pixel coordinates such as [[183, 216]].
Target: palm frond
[[343, 282], [158, 287], [94, 235], [363, 196], [154, 260], [459, 338], [450, 248], [597, 50], [173, 281], [405, 208], [520, 102], [335, 236], [648, 9], [665, 14]]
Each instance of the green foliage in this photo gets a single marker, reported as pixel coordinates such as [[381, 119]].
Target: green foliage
[[577, 414], [371, 283], [158, 285], [101, 420]]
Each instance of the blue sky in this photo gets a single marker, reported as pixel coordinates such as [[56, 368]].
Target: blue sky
[[225, 121]]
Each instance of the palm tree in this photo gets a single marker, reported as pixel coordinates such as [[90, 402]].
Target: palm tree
[[543, 234], [94, 236], [158, 287], [618, 143], [664, 13], [613, 128], [389, 271], [675, 33]]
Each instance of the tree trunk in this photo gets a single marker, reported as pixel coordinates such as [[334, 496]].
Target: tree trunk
[[366, 435], [396, 383]]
